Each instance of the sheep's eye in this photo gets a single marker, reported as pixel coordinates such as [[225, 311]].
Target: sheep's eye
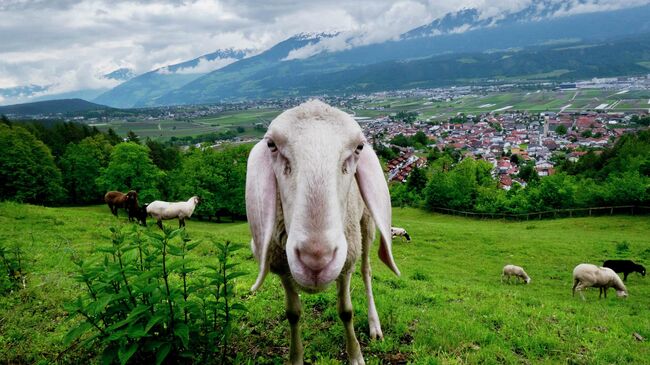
[[359, 148], [272, 146]]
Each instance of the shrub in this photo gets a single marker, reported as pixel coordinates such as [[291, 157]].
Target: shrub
[[144, 302], [11, 264]]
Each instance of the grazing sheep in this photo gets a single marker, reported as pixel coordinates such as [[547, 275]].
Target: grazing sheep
[[314, 192], [397, 231], [164, 210], [128, 201], [141, 214], [516, 271], [588, 275], [624, 266]]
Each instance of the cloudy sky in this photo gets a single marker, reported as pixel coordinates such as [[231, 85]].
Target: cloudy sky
[[69, 44]]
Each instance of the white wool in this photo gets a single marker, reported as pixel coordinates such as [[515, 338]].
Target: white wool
[[314, 192], [588, 275], [162, 210], [516, 271]]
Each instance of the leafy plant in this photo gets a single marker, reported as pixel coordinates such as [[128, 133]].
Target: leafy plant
[[11, 263], [144, 303]]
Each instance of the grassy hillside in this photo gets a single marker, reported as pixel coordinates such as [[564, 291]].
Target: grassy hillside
[[61, 106], [449, 306]]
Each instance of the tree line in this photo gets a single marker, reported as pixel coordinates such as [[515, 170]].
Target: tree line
[[619, 175], [55, 163], [71, 163]]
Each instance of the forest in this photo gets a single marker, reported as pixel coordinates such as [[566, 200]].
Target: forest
[[74, 164]]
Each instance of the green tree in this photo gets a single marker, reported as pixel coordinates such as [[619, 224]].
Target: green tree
[[165, 157], [561, 130], [81, 165], [401, 140], [27, 168], [420, 138], [458, 188], [113, 137], [528, 173], [131, 168], [515, 159], [417, 180], [132, 137], [217, 176]]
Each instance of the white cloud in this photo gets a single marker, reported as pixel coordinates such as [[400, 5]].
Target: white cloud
[[205, 66], [78, 41]]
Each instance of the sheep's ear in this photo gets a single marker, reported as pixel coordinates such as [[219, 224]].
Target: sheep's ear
[[374, 191], [261, 195]]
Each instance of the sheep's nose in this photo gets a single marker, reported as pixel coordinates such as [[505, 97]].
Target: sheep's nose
[[316, 258]]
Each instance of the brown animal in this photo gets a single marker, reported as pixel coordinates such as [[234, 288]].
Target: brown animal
[[128, 201]]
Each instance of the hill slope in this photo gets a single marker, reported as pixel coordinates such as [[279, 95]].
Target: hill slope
[[449, 297], [580, 61], [144, 89], [61, 106]]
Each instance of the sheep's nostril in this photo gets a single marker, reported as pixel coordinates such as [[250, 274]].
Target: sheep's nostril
[[315, 259]]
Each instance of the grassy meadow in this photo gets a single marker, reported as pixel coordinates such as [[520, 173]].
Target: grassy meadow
[[448, 307]]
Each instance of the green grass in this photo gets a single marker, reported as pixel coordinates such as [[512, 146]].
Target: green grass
[[448, 306]]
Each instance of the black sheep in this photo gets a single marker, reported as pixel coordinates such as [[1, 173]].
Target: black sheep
[[624, 266], [141, 214]]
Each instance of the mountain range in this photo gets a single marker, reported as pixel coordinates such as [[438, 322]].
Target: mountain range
[[281, 71], [144, 89], [466, 46]]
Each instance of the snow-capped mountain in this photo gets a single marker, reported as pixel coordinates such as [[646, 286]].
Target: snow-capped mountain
[[143, 89], [121, 74]]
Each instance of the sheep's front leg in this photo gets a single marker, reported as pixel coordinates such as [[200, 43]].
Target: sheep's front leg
[[344, 306], [293, 311], [373, 318]]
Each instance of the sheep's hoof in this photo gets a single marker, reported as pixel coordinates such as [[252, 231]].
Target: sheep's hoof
[[357, 361], [375, 333]]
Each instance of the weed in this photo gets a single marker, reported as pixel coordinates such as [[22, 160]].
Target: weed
[[140, 305], [622, 248], [11, 264]]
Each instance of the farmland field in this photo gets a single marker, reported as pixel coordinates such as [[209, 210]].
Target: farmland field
[[448, 306], [164, 129], [533, 101]]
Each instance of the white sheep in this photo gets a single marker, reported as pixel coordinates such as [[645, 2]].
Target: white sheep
[[160, 210], [314, 192], [588, 275], [516, 271], [399, 232]]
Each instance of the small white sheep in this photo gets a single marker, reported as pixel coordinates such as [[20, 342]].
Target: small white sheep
[[516, 271], [399, 232], [314, 192], [588, 275], [164, 210]]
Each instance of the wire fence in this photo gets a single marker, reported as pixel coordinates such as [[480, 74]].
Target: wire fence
[[550, 214]]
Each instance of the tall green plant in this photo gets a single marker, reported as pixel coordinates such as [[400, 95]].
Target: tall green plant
[[143, 303], [11, 264]]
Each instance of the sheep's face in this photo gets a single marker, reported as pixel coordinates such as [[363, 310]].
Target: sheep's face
[[132, 196], [310, 163], [314, 162], [621, 293]]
